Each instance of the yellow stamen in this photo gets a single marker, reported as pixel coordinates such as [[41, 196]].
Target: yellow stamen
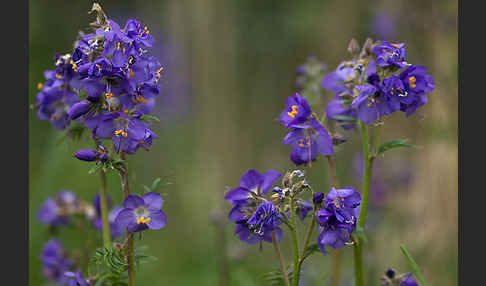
[[294, 111], [142, 219], [108, 95], [130, 73], [58, 76], [395, 45], [126, 111], [412, 80], [39, 85], [118, 46], [141, 99]]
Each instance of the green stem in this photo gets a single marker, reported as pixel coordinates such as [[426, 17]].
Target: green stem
[[129, 235], [295, 241], [368, 166], [105, 227], [280, 259]]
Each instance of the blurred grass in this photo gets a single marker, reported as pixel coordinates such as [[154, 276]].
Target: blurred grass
[[238, 59]]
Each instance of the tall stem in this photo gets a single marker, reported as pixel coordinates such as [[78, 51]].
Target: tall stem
[[295, 241], [368, 166], [105, 226], [129, 235], [280, 259], [336, 258]]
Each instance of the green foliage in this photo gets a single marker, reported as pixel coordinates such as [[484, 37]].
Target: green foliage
[[275, 278], [155, 185], [112, 164], [112, 258], [311, 249], [393, 144], [413, 265], [149, 118]]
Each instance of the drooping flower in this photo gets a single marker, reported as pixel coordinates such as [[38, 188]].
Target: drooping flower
[[254, 216], [370, 103], [417, 83], [338, 218], [388, 54], [302, 208], [54, 262], [76, 278], [318, 198], [308, 140], [297, 111], [140, 213]]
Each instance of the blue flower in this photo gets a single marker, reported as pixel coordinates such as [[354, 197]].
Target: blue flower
[[297, 111], [54, 262], [388, 54], [141, 213]]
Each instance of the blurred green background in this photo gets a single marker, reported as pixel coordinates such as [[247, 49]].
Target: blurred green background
[[229, 65]]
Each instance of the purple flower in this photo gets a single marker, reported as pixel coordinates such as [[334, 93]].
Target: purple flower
[[57, 211], [336, 108], [76, 279], [370, 103], [140, 213], [409, 282], [297, 111], [252, 183], [416, 83], [388, 54], [54, 262], [308, 140], [338, 218], [318, 198], [302, 208], [115, 229], [87, 155], [344, 72], [79, 109]]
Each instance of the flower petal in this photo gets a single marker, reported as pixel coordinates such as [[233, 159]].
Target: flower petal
[[153, 200], [133, 201]]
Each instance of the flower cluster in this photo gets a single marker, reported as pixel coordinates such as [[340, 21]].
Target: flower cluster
[[377, 84], [108, 83], [307, 136], [255, 216], [55, 262], [58, 210], [338, 217], [390, 278]]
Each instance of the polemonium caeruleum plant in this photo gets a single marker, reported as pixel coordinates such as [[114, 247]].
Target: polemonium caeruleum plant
[[107, 85], [375, 83]]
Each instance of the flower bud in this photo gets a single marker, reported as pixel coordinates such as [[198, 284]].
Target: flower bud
[[79, 109], [353, 47], [338, 139], [367, 48], [317, 198], [86, 155]]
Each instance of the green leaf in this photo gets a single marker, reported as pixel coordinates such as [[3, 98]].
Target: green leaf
[[311, 249], [344, 118], [146, 189], [275, 278], [149, 118], [155, 184], [413, 265], [394, 144]]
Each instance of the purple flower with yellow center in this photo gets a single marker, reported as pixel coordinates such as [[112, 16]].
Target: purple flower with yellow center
[[140, 213], [252, 184], [54, 262], [76, 278], [338, 218], [308, 140], [388, 54], [139, 34], [297, 111], [370, 103], [417, 83]]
